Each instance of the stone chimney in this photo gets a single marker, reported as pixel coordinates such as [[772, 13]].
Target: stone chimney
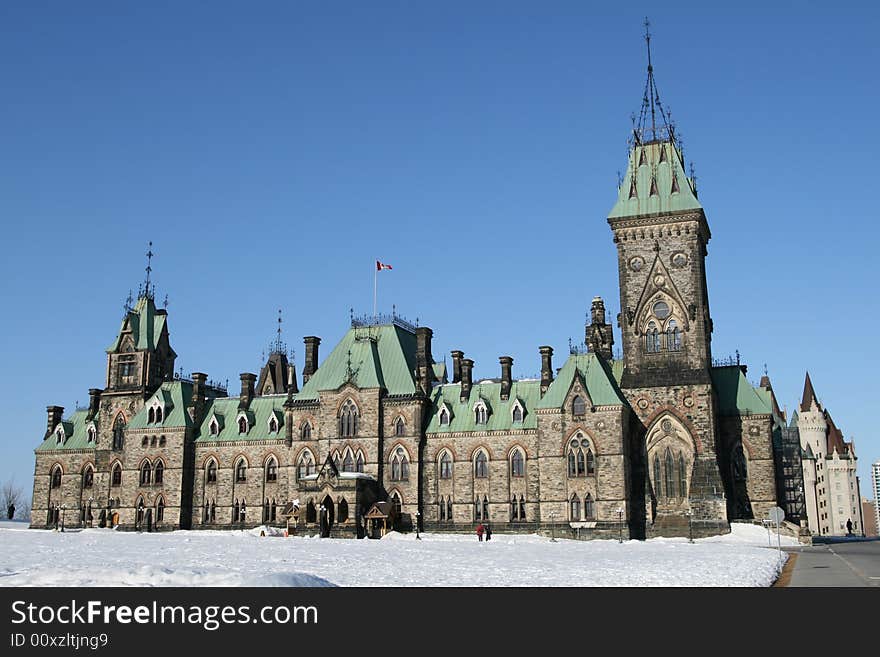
[[456, 365], [467, 366], [55, 415], [200, 381], [292, 387], [506, 380], [94, 402], [248, 383], [424, 359], [599, 335], [546, 367], [311, 365]]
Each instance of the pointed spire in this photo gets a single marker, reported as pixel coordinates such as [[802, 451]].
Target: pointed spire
[[147, 290], [651, 105], [809, 396]]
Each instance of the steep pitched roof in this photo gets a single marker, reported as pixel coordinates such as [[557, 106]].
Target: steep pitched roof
[[76, 434], [835, 438], [735, 394], [527, 393], [146, 324], [370, 357], [598, 378], [809, 396], [261, 409], [655, 182], [176, 396]]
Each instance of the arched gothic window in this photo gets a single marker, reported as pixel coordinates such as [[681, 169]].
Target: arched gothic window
[[445, 466], [658, 493], [670, 474], [116, 476], [159, 474], [56, 477], [517, 464], [342, 516], [591, 462], [359, 464], [211, 477], [673, 336], [242, 425], [271, 470], [160, 510], [589, 508], [652, 338], [158, 414], [305, 465], [682, 476], [307, 431], [214, 427], [151, 416], [399, 465], [581, 461], [481, 414], [273, 425], [348, 463], [399, 427], [241, 471], [517, 414], [575, 508], [348, 420], [118, 432], [88, 477], [145, 473], [578, 405], [444, 417], [481, 465]]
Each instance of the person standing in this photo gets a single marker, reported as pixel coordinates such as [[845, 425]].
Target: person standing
[[488, 532], [480, 530], [849, 527]]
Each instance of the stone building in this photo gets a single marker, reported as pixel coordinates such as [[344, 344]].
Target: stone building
[[659, 442]]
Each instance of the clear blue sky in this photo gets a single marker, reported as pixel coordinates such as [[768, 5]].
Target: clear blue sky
[[273, 151]]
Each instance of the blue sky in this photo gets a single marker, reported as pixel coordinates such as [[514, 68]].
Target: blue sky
[[273, 151]]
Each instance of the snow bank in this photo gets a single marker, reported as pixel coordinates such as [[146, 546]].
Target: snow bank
[[103, 557]]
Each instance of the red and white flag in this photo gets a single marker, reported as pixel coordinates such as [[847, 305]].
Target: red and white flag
[[381, 265]]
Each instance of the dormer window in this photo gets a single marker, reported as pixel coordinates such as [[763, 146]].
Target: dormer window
[[444, 417], [92, 435], [159, 414], [273, 424], [214, 427], [59, 436], [481, 413], [151, 416], [518, 412], [242, 425]]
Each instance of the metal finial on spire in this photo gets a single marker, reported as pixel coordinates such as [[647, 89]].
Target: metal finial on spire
[[278, 339], [165, 303], [651, 104], [149, 269]]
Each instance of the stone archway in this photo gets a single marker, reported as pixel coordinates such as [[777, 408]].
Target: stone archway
[[327, 516], [671, 452]]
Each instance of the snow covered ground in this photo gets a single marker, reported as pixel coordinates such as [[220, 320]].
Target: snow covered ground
[[104, 557]]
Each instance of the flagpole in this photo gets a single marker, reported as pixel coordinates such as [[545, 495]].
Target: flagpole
[[375, 278]]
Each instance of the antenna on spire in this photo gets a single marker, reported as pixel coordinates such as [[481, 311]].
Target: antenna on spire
[[651, 104], [147, 292]]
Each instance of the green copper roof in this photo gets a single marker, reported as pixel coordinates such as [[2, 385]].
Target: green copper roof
[[175, 396], [736, 396], [75, 431], [500, 412], [617, 369], [226, 410], [597, 376], [649, 187], [146, 324], [370, 357]]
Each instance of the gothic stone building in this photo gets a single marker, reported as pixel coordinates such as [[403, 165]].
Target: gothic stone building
[[659, 442]]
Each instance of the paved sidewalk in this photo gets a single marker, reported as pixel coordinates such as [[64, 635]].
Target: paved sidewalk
[[845, 564]]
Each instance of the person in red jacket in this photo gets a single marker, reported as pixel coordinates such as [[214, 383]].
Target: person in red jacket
[[480, 530]]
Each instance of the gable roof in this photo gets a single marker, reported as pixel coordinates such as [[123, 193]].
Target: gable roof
[[598, 377], [381, 356], [527, 393], [645, 174], [261, 409], [735, 394], [76, 435], [176, 396], [146, 324]]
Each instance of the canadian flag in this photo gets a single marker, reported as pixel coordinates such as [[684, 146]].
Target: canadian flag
[[381, 265]]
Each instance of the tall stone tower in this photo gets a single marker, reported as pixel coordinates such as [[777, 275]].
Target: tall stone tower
[[661, 234]]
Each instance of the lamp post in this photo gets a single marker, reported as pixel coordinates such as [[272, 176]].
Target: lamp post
[[690, 514], [321, 520], [418, 538], [552, 527], [620, 524]]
